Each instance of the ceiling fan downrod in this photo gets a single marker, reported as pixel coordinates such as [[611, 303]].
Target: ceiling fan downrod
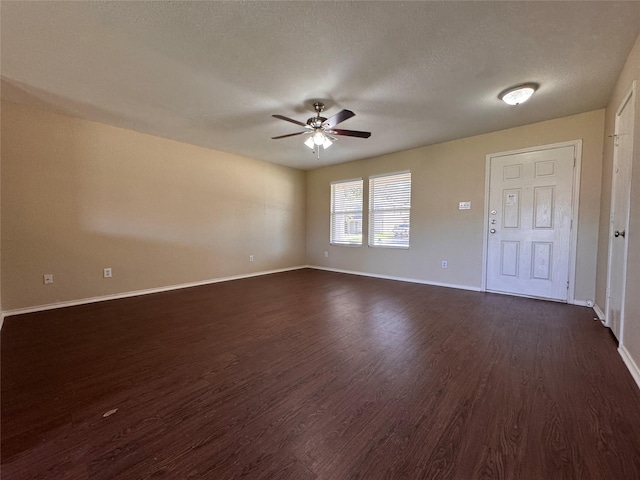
[[316, 122]]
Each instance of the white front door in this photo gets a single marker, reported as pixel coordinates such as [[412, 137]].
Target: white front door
[[619, 220], [530, 216]]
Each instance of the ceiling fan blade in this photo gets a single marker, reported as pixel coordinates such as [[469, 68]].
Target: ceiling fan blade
[[287, 119], [350, 133], [338, 118], [288, 135]]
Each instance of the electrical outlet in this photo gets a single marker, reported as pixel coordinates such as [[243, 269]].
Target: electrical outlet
[[107, 273], [326, 254], [464, 206], [47, 278], [445, 264], [251, 258]]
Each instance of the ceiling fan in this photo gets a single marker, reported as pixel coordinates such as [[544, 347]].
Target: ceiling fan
[[321, 130]]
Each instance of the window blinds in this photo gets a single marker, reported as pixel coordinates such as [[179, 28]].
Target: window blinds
[[389, 210], [346, 212]]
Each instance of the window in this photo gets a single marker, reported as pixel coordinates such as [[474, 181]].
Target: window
[[389, 208], [346, 212]]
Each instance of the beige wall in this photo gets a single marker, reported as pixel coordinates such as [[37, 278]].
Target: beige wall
[[631, 334], [442, 176], [79, 196]]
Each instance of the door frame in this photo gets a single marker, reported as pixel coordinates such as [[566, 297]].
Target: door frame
[[630, 93], [575, 203]]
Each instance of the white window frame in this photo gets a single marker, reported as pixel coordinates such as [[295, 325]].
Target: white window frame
[[353, 213], [396, 234]]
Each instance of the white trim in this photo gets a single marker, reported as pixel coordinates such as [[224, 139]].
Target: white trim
[[349, 180], [390, 174], [582, 303], [485, 223], [575, 216], [1, 320], [575, 204], [599, 313], [400, 279], [83, 301], [550, 146], [631, 365]]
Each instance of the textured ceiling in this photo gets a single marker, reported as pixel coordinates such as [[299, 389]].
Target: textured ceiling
[[213, 73]]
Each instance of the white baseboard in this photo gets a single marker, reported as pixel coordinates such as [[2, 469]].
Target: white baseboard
[[580, 303], [600, 314], [83, 301], [629, 362], [594, 306], [401, 279]]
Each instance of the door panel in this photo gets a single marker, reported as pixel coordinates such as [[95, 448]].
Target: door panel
[[510, 259], [543, 207], [511, 209], [541, 260], [620, 197], [530, 204]]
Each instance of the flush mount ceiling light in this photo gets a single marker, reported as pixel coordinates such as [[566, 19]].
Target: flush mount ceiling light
[[518, 94]]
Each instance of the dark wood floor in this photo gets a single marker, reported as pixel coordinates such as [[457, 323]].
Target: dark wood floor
[[317, 375]]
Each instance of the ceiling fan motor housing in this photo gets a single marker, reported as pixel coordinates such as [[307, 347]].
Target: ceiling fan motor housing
[[316, 122]]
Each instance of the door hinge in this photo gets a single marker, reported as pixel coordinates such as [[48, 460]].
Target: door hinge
[[615, 139]]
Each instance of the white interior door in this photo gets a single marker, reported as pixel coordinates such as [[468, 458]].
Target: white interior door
[[530, 221], [619, 220]]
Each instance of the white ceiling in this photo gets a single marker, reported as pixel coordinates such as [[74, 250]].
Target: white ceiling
[[213, 73]]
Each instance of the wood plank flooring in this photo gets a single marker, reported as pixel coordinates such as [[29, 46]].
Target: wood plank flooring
[[317, 375]]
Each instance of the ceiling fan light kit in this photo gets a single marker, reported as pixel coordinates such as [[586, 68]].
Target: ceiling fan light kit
[[320, 129], [309, 143], [518, 94]]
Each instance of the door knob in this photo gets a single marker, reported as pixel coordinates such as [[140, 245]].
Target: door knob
[[619, 234], [493, 230]]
